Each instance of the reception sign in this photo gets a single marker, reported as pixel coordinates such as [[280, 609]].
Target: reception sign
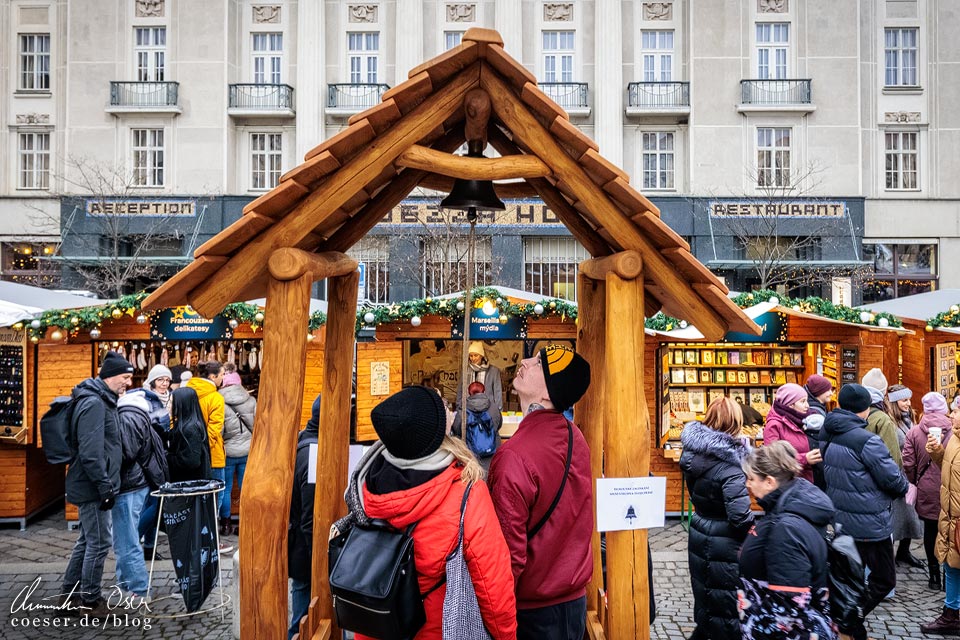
[[183, 323]]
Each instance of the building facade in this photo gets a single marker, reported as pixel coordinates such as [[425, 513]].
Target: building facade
[[799, 142]]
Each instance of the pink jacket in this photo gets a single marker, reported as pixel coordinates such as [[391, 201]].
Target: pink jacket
[[916, 461], [780, 427]]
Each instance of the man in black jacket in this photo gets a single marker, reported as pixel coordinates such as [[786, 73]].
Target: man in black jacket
[[300, 528], [140, 469], [93, 478], [862, 481]]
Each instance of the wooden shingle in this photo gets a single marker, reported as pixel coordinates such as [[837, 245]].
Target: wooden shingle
[[410, 92], [279, 200], [343, 145]]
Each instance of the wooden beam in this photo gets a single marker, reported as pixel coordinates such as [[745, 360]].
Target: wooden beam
[[265, 509], [334, 438], [447, 164], [626, 420], [290, 264], [476, 105], [527, 129], [505, 190], [175, 291], [626, 265], [332, 193], [589, 412]]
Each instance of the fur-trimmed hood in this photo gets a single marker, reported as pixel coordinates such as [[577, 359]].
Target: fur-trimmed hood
[[704, 442]]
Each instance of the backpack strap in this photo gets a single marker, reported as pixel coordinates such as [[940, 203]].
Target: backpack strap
[[563, 483], [463, 508]]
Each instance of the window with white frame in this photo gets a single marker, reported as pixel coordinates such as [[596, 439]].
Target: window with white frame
[[900, 57], [266, 156], [34, 62], [33, 160], [150, 51], [550, 266], [658, 160], [363, 53], [148, 157], [374, 252], [773, 156], [773, 46], [444, 263], [267, 52], [657, 53], [451, 39], [558, 52], [901, 160]]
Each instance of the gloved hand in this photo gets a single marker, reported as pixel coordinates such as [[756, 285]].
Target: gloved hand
[[107, 503]]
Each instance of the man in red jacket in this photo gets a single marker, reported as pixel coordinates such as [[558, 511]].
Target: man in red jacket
[[542, 491]]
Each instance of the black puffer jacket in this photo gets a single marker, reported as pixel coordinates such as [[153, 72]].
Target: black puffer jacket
[[135, 444], [300, 526], [711, 466], [787, 547], [95, 474]]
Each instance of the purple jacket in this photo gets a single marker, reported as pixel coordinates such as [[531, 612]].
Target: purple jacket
[[780, 427], [916, 461]]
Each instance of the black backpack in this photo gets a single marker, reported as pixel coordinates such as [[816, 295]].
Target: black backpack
[[55, 431], [373, 581]]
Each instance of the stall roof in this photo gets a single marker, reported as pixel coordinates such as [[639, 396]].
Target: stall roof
[[315, 304], [690, 332], [920, 306], [869, 327], [43, 299], [516, 294]]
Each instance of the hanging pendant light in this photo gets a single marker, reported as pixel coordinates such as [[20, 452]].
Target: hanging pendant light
[[473, 195]]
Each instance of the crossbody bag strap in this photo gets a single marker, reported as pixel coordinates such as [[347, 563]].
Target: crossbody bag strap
[[563, 483], [463, 508]]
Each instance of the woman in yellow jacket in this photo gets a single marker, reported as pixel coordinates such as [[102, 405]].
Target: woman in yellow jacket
[[212, 407], [948, 459]]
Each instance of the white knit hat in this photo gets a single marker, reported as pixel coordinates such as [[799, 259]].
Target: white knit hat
[[158, 371], [875, 379]]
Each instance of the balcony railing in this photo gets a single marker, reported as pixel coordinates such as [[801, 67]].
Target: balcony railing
[[144, 96], [254, 98], [573, 97], [775, 92], [658, 96], [354, 97]]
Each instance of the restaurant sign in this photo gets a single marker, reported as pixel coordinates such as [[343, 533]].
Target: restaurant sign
[[183, 323], [778, 209], [430, 213], [140, 208]]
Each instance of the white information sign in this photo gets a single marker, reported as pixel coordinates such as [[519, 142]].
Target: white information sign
[[631, 503], [312, 464], [380, 378]]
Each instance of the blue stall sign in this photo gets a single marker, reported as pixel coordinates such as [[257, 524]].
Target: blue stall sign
[[183, 323], [771, 324], [487, 326]]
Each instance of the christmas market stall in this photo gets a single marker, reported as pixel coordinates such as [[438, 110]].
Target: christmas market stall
[[800, 338], [27, 485], [421, 341], [72, 343], [930, 352], [299, 232]]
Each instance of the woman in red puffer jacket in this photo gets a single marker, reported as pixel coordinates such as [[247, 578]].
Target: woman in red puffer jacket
[[418, 473]]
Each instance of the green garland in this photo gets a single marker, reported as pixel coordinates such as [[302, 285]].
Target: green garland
[[452, 308], [813, 305], [948, 318]]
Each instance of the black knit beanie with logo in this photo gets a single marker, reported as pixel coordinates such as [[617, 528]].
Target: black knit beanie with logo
[[114, 365], [411, 423], [567, 375]]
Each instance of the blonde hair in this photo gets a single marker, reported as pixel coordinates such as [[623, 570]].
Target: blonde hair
[[777, 460], [472, 471], [725, 415]]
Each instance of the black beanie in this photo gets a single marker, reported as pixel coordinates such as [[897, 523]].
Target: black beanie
[[854, 398], [114, 365], [411, 423], [567, 375]]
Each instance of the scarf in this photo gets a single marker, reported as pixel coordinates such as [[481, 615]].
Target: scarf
[[164, 398], [790, 413]]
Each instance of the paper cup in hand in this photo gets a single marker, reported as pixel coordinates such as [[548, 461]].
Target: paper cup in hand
[[936, 432]]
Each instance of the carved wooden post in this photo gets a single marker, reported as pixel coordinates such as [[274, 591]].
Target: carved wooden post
[[269, 479], [334, 439], [269, 484], [627, 423], [589, 414]]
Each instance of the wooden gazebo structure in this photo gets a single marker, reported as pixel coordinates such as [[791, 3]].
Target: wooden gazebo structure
[[297, 233]]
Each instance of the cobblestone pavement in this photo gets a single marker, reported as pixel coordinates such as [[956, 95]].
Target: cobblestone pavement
[[42, 550]]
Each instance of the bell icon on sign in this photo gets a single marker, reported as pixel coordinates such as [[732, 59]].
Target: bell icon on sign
[[631, 513]]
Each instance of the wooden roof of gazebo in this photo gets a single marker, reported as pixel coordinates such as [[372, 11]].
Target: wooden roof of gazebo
[[348, 183]]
